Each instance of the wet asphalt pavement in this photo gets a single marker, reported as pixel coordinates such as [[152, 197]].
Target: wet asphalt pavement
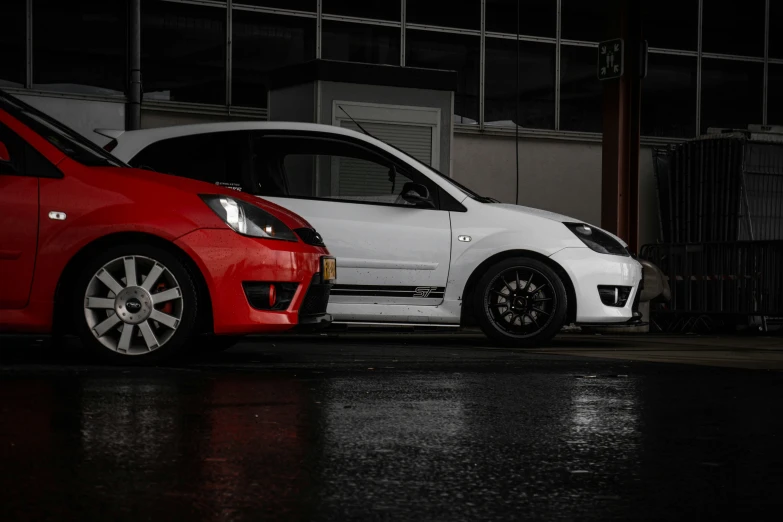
[[373, 429]]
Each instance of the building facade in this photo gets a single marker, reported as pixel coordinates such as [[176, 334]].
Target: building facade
[[530, 63]]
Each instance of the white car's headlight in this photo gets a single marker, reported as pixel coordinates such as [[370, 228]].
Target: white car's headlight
[[248, 219], [597, 240]]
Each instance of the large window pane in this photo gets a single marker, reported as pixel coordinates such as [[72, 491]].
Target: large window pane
[[585, 20], [80, 46], [734, 27], [12, 43], [464, 14], [183, 52], [378, 9], [776, 29], [360, 43], [774, 99], [454, 53], [296, 5], [536, 84], [671, 24], [731, 93], [669, 97], [536, 17], [581, 93], [263, 42]]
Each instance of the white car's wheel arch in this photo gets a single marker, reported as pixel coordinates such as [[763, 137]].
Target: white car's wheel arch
[[466, 290]]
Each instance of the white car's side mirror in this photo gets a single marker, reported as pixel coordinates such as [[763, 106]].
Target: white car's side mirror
[[417, 194]]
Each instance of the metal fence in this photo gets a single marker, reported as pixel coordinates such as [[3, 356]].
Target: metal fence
[[742, 278], [720, 188], [763, 189]]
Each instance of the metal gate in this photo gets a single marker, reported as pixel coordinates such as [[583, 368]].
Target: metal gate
[[720, 188], [720, 199], [727, 281]]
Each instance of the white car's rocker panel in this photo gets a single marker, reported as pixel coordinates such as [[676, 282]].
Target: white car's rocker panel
[[413, 246]]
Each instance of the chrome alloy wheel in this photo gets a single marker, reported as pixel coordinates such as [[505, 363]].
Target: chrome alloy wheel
[[521, 306], [133, 305]]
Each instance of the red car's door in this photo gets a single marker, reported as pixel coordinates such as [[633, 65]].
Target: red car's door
[[18, 222]]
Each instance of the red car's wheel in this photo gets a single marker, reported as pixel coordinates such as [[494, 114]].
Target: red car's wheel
[[137, 304]]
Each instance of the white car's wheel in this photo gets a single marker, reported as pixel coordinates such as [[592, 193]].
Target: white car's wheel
[[136, 304], [521, 302]]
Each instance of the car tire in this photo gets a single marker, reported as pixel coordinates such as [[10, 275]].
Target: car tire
[[135, 322], [520, 302]]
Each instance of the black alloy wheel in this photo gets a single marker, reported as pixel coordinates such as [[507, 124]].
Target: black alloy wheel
[[521, 302]]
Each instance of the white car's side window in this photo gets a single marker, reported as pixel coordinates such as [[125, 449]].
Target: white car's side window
[[217, 158], [348, 178], [329, 169]]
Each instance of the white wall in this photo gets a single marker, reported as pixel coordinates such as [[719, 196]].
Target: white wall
[[81, 115], [560, 176]]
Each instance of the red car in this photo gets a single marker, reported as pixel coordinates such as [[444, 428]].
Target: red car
[[138, 263]]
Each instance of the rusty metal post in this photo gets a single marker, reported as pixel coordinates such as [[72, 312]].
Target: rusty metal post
[[133, 109], [621, 130]]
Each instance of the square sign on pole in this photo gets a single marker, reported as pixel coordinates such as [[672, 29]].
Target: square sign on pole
[[610, 59]]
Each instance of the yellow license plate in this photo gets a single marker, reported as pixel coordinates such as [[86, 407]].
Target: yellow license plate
[[329, 269]]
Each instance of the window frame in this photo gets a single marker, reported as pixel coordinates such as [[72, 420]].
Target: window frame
[[159, 69], [55, 80]]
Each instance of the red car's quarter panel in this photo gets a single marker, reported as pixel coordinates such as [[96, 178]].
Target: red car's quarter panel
[[18, 235]]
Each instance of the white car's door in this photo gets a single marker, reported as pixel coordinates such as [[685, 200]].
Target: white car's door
[[389, 251]]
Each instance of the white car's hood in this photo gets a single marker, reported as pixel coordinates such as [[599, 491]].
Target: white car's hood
[[529, 211]]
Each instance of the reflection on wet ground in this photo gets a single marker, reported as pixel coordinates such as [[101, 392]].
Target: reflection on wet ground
[[533, 437]]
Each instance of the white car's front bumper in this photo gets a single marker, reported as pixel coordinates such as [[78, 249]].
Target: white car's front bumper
[[587, 270]]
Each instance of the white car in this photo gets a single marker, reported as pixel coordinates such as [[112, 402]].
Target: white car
[[413, 246]]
